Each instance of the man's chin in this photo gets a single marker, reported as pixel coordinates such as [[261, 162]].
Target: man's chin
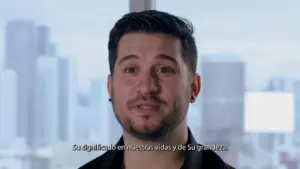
[[146, 129], [147, 132]]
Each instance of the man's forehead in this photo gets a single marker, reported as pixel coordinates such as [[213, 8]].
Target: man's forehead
[[140, 39], [148, 45], [153, 35]]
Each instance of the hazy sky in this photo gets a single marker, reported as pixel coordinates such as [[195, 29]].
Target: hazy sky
[[264, 32]]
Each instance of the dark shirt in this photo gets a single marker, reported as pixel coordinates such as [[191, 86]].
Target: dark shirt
[[205, 159]]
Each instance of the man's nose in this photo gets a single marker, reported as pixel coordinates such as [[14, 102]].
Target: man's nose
[[148, 84]]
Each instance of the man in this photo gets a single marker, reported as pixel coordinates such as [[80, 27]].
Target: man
[[153, 59]]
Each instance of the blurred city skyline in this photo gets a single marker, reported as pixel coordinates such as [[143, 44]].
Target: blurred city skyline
[[53, 91], [263, 33]]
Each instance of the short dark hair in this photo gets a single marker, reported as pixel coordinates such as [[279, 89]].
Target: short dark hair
[[153, 21]]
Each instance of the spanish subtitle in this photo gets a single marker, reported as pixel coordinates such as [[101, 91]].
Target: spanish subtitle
[[101, 147]]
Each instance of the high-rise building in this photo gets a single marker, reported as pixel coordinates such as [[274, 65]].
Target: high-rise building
[[21, 54], [8, 111], [83, 117], [65, 119], [68, 70], [47, 103], [43, 40], [223, 104], [276, 85], [296, 139], [96, 112], [105, 124], [280, 84], [138, 5], [55, 100], [52, 50]]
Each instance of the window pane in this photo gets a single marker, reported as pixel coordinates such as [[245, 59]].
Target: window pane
[[53, 87], [244, 47]]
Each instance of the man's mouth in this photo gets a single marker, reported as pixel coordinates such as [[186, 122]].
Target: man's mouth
[[148, 106]]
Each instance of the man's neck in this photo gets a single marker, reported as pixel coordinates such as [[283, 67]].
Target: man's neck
[[156, 159]]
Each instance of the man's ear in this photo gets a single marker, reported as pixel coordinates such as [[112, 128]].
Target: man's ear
[[109, 85], [195, 87]]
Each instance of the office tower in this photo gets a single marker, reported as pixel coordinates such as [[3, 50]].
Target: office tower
[[52, 50], [66, 100], [8, 111], [140, 5], [47, 101], [223, 103], [96, 112], [296, 138], [21, 54], [43, 40], [105, 124], [114, 127], [276, 85], [72, 99], [280, 85], [55, 100], [83, 118], [46, 108]]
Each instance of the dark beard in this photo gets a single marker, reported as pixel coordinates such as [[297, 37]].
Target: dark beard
[[168, 124], [157, 134]]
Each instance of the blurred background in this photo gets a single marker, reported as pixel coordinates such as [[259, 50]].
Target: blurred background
[[54, 64]]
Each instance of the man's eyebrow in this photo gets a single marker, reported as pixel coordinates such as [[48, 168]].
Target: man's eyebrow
[[162, 56], [128, 57], [166, 57]]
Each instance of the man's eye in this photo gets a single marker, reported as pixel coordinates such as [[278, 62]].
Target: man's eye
[[130, 70], [166, 70]]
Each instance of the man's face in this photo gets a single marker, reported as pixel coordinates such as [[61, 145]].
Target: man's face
[[151, 86]]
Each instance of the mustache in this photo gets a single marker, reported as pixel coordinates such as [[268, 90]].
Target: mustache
[[141, 99]]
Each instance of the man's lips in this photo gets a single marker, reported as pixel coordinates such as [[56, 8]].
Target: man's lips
[[147, 107]]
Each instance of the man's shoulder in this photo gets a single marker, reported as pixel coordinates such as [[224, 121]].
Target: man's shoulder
[[95, 163], [211, 157]]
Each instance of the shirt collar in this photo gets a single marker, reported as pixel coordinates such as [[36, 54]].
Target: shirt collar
[[114, 158]]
